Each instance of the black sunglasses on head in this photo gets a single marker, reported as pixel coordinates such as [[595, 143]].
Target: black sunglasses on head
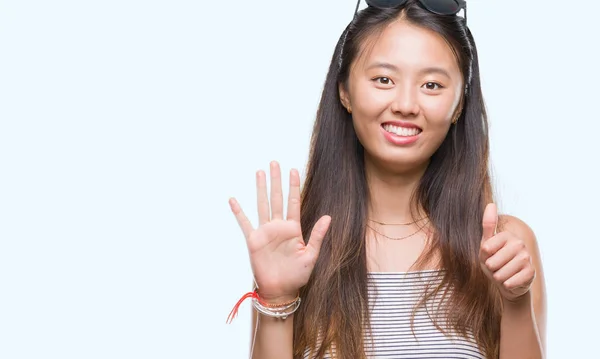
[[439, 7]]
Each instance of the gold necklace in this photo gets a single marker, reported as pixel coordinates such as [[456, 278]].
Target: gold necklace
[[398, 238], [398, 224]]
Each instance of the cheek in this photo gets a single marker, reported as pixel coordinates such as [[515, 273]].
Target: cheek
[[368, 101], [438, 109]]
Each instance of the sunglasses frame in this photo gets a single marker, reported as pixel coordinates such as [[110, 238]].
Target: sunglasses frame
[[462, 5]]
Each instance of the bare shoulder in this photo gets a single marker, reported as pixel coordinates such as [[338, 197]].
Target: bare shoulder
[[520, 229]]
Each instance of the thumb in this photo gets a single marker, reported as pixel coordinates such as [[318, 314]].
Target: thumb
[[317, 234], [490, 221]]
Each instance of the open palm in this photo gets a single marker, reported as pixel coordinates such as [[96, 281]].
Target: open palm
[[280, 260]]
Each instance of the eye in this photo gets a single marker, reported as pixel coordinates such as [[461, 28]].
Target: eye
[[386, 81], [432, 86]]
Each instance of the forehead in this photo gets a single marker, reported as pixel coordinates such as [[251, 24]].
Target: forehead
[[408, 47]]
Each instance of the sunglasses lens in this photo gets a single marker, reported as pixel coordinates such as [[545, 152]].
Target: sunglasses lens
[[385, 4], [442, 7]]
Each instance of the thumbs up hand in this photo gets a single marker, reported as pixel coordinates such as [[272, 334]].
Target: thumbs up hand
[[504, 258]]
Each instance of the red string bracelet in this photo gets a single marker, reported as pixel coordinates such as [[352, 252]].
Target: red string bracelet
[[235, 309], [255, 295]]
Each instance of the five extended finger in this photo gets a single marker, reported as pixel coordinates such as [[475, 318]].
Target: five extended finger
[[276, 192], [242, 220], [316, 236], [262, 198], [293, 212]]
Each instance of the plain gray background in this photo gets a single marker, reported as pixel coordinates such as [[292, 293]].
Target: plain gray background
[[126, 126]]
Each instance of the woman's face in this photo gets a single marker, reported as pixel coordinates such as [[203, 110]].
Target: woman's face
[[403, 92]]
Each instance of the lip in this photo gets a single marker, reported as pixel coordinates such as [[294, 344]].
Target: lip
[[400, 140]]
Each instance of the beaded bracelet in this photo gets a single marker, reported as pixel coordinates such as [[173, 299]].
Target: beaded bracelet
[[280, 304], [279, 310]]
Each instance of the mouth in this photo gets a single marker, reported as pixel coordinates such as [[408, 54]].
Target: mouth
[[401, 130]]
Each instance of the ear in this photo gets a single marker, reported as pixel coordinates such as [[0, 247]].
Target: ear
[[344, 97], [458, 111]]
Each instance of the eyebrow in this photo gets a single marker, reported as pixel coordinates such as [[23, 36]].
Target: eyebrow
[[427, 70]]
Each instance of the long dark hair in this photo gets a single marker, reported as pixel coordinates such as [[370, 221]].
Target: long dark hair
[[453, 192]]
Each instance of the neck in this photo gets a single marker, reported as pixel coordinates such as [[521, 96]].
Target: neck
[[390, 193]]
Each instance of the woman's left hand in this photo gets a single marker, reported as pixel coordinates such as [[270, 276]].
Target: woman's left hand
[[504, 258]]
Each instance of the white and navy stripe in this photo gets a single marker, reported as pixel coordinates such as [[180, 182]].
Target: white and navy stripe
[[392, 298]]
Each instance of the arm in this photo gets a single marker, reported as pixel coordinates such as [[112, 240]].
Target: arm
[[510, 259], [281, 260], [273, 339], [523, 326]]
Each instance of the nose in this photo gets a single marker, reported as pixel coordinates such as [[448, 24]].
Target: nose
[[405, 102]]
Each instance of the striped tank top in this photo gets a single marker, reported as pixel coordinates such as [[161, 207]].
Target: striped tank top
[[392, 298]]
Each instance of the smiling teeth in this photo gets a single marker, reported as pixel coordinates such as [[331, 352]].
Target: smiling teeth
[[401, 131]]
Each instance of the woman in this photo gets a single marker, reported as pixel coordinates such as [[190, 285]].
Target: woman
[[394, 247]]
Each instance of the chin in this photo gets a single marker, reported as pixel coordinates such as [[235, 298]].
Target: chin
[[400, 163]]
